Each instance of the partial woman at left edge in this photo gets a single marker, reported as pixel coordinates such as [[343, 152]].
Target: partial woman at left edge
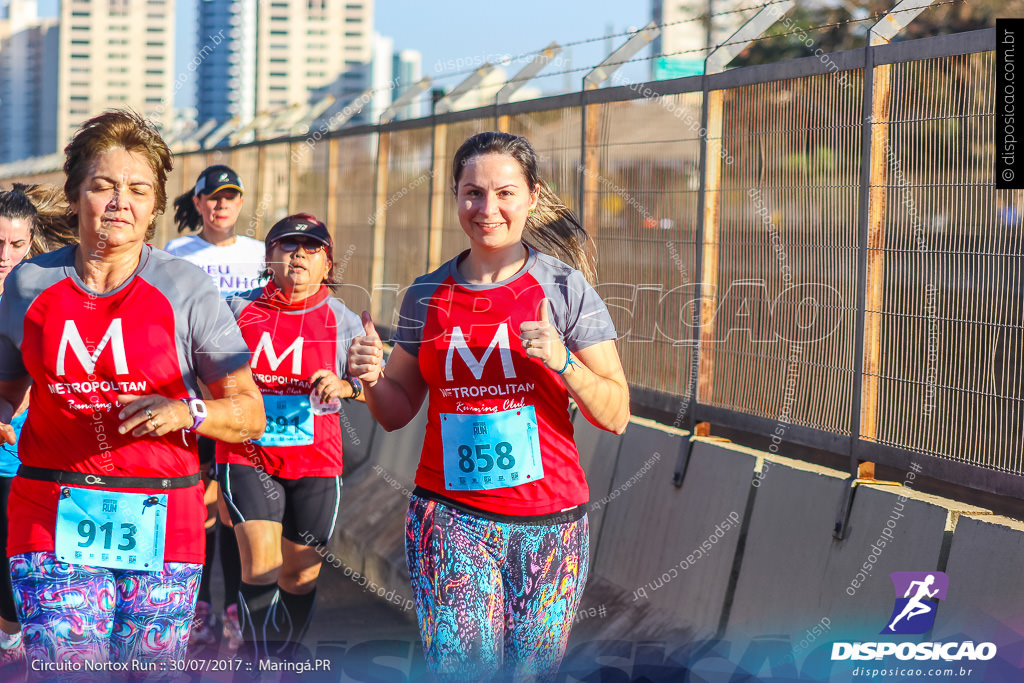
[[113, 336], [33, 221]]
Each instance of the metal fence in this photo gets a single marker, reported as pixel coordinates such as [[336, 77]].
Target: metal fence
[[811, 249]]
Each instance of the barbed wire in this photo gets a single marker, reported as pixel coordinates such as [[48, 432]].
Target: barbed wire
[[694, 51], [585, 41], [712, 48]]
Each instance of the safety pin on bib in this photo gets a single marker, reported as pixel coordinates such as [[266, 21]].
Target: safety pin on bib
[[151, 501]]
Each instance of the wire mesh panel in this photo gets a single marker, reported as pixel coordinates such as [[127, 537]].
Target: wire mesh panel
[[643, 197], [407, 206], [785, 296], [555, 135], [950, 322], [179, 180], [245, 162], [453, 239], [274, 172], [784, 218], [309, 161], [352, 224]]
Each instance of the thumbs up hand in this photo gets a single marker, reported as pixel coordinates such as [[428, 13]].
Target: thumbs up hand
[[541, 340], [366, 354]]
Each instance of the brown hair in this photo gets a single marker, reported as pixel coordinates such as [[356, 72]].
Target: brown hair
[[551, 227], [117, 129], [53, 225]]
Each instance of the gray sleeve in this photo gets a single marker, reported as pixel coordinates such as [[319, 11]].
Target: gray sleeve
[[216, 342], [12, 318], [210, 345], [350, 326], [238, 302], [413, 314], [409, 330], [578, 312], [26, 282]]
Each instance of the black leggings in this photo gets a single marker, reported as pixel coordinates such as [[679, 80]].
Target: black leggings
[[7, 609]]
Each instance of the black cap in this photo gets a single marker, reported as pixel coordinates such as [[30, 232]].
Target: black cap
[[216, 178], [300, 224]]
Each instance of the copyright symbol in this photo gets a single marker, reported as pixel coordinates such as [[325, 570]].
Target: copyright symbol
[[1008, 175]]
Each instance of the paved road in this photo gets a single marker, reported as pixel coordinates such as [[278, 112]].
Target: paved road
[[361, 637]]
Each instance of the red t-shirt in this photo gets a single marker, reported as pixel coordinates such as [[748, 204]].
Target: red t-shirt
[[466, 337], [157, 333], [289, 343]]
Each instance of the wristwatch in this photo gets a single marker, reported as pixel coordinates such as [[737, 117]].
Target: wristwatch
[[357, 387], [197, 409]]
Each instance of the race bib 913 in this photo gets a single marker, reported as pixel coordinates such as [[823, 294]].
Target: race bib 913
[[111, 529]]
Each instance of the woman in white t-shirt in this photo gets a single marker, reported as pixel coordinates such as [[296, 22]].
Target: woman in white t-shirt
[[234, 263]]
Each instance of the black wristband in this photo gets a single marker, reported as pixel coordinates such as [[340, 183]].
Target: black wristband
[[357, 387]]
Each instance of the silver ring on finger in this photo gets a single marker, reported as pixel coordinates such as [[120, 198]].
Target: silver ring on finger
[[149, 414], [528, 344]]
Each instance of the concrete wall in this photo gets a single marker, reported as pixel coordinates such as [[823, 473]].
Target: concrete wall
[[986, 589], [743, 550]]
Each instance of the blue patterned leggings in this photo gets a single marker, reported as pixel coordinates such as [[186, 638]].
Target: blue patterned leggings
[[72, 613], [493, 598]]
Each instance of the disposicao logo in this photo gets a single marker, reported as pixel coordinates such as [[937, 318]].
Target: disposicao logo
[[913, 614], [914, 611]]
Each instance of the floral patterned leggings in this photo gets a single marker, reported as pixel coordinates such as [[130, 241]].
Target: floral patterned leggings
[[493, 598], [74, 613]]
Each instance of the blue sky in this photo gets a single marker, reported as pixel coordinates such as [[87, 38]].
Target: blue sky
[[452, 33], [449, 33]]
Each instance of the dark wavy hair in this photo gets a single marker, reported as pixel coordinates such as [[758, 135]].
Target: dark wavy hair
[[552, 228], [46, 210]]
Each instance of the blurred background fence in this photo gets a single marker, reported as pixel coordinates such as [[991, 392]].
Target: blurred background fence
[[812, 250]]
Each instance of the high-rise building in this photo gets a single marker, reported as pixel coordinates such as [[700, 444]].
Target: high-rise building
[[281, 52], [381, 77], [226, 50], [686, 35], [28, 83], [407, 70], [113, 53], [391, 74]]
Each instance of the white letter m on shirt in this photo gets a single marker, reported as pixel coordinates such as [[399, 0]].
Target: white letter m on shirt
[[72, 338], [458, 342], [266, 345]]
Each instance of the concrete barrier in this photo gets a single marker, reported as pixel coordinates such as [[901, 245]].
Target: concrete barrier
[[398, 452], [985, 587], [370, 534], [793, 573], [743, 551], [357, 431], [673, 585], [651, 537], [599, 452]]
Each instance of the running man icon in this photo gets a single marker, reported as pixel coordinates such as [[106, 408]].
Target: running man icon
[[916, 608]]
